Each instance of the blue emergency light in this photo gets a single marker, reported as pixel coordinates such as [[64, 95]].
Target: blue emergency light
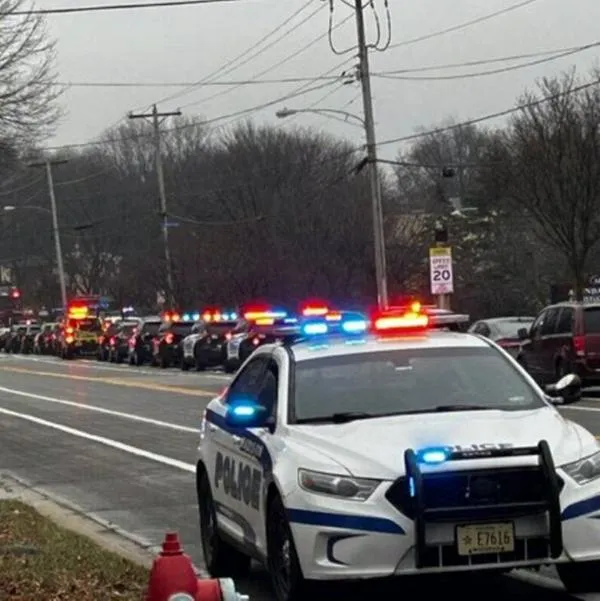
[[433, 455], [349, 324], [187, 317]]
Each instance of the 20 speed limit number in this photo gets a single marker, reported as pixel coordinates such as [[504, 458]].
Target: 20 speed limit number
[[440, 265]]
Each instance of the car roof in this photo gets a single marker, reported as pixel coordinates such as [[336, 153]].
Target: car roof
[[334, 347], [515, 318]]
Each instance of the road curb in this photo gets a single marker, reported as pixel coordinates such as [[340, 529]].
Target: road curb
[[65, 513]]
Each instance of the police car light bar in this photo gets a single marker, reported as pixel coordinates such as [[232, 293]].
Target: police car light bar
[[344, 323], [401, 319]]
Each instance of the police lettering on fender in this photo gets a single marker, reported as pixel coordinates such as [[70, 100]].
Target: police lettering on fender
[[238, 480]]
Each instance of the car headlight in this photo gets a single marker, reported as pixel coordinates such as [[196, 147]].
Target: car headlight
[[584, 470], [345, 487]]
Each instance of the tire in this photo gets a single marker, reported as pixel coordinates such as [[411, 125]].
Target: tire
[[580, 577], [198, 363], [561, 369], [282, 559], [221, 559]]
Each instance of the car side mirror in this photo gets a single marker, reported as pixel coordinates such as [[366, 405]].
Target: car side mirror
[[246, 413], [523, 334], [566, 391]]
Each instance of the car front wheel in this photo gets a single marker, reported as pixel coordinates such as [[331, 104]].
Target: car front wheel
[[282, 559]]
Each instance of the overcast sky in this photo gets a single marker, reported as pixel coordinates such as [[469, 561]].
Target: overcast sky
[[185, 44]]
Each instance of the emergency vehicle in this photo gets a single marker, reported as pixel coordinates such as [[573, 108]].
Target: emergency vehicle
[[80, 331], [388, 448]]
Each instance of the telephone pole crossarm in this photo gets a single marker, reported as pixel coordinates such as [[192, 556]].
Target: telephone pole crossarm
[[156, 116]]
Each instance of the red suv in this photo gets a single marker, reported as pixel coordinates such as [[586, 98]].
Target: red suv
[[564, 338]]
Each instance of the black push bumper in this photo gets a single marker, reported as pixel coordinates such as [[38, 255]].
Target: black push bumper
[[503, 493]]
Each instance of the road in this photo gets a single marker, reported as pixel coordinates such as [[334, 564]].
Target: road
[[120, 443]]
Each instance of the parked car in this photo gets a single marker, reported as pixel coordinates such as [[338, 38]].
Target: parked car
[[504, 331], [564, 338]]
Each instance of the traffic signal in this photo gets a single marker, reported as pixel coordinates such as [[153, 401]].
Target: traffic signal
[[441, 232]]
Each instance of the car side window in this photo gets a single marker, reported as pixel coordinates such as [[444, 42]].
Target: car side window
[[483, 329], [549, 325], [536, 326], [249, 380], [565, 321], [267, 394]]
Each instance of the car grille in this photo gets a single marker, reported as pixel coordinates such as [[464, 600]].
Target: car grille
[[500, 493], [481, 496]]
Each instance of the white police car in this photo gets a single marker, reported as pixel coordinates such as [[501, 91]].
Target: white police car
[[399, 451]]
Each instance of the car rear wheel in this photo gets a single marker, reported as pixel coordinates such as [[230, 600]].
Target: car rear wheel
[[221, 559], [282, 559], [580, 577]]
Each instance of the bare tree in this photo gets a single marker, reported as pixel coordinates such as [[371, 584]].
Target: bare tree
[[554, 174], [28, 90]]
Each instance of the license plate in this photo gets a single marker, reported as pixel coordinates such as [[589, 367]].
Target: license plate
[[477, 539]]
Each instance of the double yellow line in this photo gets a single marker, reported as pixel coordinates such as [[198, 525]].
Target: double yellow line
[[115, 382]]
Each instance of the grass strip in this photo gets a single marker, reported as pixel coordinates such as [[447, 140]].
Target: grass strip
[[41, 560]]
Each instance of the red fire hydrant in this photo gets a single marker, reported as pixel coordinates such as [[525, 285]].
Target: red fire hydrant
[[173, 578]]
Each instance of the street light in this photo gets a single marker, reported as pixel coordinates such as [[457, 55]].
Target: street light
[[287, 112], [55, 229], [376, 201]]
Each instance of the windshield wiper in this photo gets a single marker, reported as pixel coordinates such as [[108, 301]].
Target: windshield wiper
[[452, 408], [350, 416], [340, 418]]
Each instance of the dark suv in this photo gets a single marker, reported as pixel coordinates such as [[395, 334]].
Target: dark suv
[[564, 338]]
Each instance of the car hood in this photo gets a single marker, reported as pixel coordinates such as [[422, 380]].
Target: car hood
[[375, 447]]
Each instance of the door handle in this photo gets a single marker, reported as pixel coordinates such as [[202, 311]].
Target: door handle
[[237, 440], [212, 428]]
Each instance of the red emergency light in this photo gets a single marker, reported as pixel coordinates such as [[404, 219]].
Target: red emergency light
[[15, 293], [401, 320]]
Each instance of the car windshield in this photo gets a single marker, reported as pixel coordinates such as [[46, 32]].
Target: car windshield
[[85, 325], [409, 381], [510, 328], [220, 329], [151, 328], [181, 329]]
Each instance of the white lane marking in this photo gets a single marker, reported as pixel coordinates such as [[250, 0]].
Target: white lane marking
[[134, 369], [108, 442], [579, 408], [130, 416]]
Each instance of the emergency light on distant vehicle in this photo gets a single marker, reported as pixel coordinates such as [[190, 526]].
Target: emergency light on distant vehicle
[[168, 316], [256, 314], [216, 316], [78, 312]]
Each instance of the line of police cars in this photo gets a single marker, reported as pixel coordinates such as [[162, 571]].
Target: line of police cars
[[208, 339]]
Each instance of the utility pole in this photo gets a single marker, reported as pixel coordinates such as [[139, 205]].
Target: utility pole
[[156, 117], [48, 164], [378, 224]]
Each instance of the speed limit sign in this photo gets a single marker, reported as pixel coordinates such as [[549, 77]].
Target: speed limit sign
[[440, 270]]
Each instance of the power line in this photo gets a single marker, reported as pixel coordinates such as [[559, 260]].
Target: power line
[[274, 66], [489, 117], [242, 112], [247, 55], [483, 61], [243, 82], [490, 71], [556, 52], [463, 25], [107, 7]]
